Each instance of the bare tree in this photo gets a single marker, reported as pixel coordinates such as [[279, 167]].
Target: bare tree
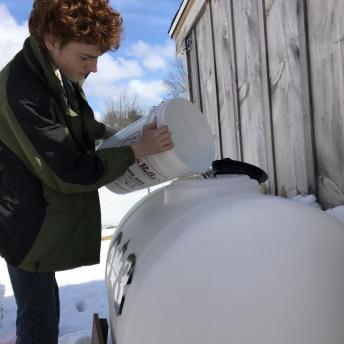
[[123, 112], [176, 80]]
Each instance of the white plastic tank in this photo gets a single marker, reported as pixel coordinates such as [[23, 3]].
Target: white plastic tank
[[214, 260]]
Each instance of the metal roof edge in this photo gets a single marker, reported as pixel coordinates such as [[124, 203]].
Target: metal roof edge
[[177, 17]]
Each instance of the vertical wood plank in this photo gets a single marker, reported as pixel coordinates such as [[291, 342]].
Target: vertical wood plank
[[307, 99], [183, 59], [326, 43], [291, 124], [226, 79], [193, 70], [207, 75], [256, 131]]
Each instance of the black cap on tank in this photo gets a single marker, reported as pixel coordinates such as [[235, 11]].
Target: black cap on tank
[[229, 166]]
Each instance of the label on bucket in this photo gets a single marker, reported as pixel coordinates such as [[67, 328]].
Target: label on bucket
[[139, 175]]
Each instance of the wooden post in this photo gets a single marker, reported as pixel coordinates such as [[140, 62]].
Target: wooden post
[[99, 330]]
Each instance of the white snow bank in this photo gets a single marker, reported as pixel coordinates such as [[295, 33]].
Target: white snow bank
[[82, 293], [114, 207], [309, 200], [2, 294], [338, 213], [82, 337], [8, 340]]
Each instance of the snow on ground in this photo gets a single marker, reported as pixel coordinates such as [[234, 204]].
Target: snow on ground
[[338, 213], [114, 207], [311, 200], [82, 291]]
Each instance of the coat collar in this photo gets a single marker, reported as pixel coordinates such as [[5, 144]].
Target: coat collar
[[39, 61]]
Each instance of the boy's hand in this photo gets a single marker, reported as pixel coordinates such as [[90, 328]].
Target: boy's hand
[[153, 140]]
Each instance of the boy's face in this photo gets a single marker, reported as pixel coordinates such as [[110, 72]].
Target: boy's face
[[74, 60]]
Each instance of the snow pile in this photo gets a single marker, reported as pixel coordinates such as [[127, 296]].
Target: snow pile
[[338, 213], [2, 293], [311, 200], [114, 207], [82, 293], [82, 337]]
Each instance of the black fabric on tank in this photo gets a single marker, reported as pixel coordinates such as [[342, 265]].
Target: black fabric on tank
[[30, 101], [22, 207]]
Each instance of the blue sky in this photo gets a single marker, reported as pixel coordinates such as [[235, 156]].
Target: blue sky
[[138, 67]]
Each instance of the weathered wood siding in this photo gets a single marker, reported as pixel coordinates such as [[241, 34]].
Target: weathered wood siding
[[192, 62], [326, 44], [269, 77], [207, 77], [226, 79], [252, 85], [292, 131]]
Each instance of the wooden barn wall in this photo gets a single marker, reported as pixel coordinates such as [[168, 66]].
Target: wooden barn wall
[[326, 43], [269, 77], [252, 85], [291, 124], [207, 77], [226, 80]]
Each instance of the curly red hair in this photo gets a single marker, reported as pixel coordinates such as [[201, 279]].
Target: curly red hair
[[86, 21]]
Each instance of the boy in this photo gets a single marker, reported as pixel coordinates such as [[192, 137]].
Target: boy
[[49, 170]]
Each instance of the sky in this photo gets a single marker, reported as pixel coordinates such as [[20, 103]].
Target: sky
[[138, 67]]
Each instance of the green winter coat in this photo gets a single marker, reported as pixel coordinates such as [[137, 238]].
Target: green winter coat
[[49, 169]]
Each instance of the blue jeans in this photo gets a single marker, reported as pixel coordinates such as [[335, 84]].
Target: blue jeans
[[38, 306]]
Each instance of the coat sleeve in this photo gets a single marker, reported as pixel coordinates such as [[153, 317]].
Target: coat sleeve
[[47, 150], [99, 129]]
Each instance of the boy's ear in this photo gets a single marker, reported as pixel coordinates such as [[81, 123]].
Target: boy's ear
[[51, 42]]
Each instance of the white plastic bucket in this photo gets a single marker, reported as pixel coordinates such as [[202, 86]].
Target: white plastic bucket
[[193, 150]]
